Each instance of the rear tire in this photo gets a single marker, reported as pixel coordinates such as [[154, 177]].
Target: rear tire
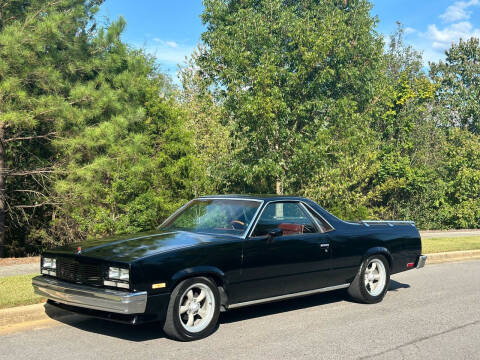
[[372, 280], [193, 310]]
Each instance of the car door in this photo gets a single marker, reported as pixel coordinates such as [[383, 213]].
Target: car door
[[298, 260]]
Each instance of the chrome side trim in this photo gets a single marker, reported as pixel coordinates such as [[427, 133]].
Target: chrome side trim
[[390, 223], [227, 198], [422, 259], [311, 210], [90, 297], [249, 233], [288, 296], [310, 216], [254, 220], [174, 213]]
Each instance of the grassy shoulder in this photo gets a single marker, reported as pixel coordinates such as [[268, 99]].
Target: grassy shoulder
[[445, 244], [17, 291]]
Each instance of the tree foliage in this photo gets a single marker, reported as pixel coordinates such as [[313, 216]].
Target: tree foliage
[[130, 162], [42, 52], [299, 97], [284, 71], [95, 140], [459, 85]]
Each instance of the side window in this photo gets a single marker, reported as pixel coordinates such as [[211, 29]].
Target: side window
[[288, 216], [324, 226]]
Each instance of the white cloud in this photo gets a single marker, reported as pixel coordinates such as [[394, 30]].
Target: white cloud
[[437, 38], [168, 54], [409, 30], [432, 55], [459, 11], [172, 44], [443, 38]]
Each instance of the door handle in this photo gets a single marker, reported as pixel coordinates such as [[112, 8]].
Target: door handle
[[325, 247]]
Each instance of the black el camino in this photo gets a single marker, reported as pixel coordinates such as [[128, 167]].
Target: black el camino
[[222, 252]]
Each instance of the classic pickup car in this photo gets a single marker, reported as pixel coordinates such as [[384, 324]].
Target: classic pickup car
[[222, 252]]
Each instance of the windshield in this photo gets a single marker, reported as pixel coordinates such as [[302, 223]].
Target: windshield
[[215, 216]]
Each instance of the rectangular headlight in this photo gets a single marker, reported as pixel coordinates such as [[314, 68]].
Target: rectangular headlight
[[49, 263], [116, 273], [124, 274], [113, 273], [117, 277]]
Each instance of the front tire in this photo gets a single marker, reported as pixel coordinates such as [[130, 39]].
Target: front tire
[[372, 280], [193, 310]]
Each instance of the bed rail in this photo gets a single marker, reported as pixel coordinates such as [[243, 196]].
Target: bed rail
[[390, 223]]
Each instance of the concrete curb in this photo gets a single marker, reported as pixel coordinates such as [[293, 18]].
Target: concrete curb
[[36, 312], [452, 256], [16, 315]]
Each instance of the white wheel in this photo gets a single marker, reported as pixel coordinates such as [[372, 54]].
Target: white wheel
[[193, 309], [197, 306], [372, 279], [375, 277]]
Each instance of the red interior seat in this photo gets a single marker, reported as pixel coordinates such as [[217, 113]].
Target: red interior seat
[[291, 229]]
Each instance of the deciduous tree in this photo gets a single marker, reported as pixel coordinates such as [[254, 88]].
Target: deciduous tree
[[459, 85], [284, 71]]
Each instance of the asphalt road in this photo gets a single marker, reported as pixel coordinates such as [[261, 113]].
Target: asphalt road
[[432, 313]]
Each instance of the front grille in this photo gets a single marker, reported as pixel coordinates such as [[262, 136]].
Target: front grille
[[73, 270]]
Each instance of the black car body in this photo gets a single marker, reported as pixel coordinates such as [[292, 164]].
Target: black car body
[[247, 267]]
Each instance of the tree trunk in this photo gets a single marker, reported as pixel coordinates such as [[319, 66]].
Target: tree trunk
[[278, 187], [2, 191]]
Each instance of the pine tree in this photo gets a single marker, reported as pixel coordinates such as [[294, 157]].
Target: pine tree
[[43, 45], [128, 159]]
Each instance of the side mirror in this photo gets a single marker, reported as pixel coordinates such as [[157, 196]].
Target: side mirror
[[274, 233]]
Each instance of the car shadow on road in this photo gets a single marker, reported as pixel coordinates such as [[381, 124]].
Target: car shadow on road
[[136, 333], [293, 304], [395, 285], [151, 331]]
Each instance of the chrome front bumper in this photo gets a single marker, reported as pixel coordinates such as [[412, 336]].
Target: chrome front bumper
[[90, 297], [421, 261]]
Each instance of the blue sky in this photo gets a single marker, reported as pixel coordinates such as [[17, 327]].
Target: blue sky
[[170, 30]]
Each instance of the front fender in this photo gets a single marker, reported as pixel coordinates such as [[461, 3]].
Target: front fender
[[212, 271]]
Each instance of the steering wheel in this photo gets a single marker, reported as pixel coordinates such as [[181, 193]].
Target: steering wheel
[[237, 224]]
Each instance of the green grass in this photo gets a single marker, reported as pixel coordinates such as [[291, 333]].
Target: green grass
[[436, 245], [17, 291]]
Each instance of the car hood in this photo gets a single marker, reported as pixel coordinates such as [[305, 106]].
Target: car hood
[[127, 248]]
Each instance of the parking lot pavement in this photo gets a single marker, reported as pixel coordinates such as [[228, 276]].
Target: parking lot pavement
[[432, 313]]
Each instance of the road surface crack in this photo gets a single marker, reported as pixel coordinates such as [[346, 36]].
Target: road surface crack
[[423, 338]]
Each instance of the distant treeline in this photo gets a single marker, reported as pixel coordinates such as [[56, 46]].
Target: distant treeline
[[297, 97]]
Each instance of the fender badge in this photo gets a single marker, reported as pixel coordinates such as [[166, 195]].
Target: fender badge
[[79, 250], [158, 286]]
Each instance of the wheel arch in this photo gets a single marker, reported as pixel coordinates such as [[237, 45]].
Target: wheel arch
[[381, 251], [212, 272]]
